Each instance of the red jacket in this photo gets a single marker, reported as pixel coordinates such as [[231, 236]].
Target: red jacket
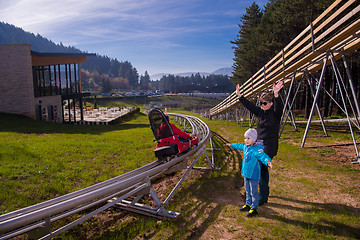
[[177, 131], [164, 131]]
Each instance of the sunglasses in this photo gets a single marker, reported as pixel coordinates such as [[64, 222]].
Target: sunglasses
[[263, 103]]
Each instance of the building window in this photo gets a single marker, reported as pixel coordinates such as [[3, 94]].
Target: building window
[[56, 80]]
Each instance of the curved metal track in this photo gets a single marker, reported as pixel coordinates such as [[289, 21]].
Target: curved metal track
[[111, 192]]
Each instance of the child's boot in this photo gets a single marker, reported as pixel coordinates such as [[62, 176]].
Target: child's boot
[[253, 212], [245, 208]]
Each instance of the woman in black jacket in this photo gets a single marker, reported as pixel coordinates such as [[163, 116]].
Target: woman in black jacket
[[268, 125]]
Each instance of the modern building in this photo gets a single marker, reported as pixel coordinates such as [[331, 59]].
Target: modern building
[[43, 86]]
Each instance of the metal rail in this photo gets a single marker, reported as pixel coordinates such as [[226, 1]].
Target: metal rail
[[37, 218], [337, 29], [332, 36]]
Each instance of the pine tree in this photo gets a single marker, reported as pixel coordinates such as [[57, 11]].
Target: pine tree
[[263, 34], [246, 49], [145, 81]]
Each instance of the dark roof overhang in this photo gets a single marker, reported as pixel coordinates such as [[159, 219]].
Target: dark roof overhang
[[43, 59]]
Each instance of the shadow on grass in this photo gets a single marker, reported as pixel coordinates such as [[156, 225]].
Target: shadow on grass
[[198, 231], [339, 127], [212, 192], [322, 210], [25, 125], [222, 152], [212, 196], [194, 219], [199, 203]]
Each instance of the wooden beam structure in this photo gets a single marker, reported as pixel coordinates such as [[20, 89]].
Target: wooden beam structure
[[330, 37], [303, 53]]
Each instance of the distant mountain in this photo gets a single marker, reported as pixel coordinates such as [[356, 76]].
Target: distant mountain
[[220, 71], [158, 76], [223, 71], [188, 74]]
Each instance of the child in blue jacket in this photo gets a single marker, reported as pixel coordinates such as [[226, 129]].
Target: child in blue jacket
[[253, 153]]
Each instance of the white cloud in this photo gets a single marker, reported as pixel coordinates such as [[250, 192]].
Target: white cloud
[[129, 28], [105, 19]]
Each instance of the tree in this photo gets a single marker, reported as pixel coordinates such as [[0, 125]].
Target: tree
[[114, 67], [211, 83], [246, 49], [263, 34], [105, 85], [120, 84], [127, 71], [145, 81]]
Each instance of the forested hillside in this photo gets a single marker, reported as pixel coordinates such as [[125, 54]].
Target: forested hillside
[[195, 82], [262, 34], [104, 74]]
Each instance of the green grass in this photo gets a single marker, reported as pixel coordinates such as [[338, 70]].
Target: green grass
[[171, 101], [312, 195], [62, 158]]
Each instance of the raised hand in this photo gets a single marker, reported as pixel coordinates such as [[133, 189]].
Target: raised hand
[[277, 87], [238, 90]]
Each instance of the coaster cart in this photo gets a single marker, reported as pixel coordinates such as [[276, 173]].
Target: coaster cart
[[168, 144]]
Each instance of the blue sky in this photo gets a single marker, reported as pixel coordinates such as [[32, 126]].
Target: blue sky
[[158, 36]]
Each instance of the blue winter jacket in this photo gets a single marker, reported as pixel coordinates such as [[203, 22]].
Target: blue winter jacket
[[251, 157]]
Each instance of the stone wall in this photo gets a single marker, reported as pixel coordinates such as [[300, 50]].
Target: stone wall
[[16, 82], [50, 108]]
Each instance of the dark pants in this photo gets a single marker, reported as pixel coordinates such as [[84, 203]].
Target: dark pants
[[264, 184], [270, 148]]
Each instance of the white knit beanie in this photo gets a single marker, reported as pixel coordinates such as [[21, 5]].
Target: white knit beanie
[[251, 133]]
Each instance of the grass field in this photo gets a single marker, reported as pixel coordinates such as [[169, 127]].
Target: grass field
[[314, 192]]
